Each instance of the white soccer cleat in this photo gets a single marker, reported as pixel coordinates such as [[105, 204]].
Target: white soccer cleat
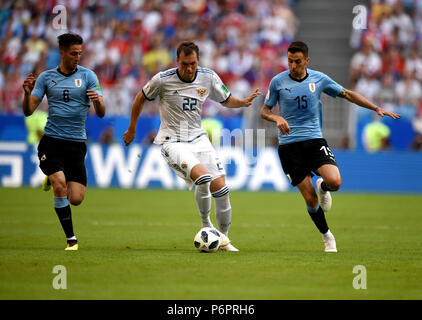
[[228, 247], [224, 240], [325, 200], [329, 242], [225, 244]]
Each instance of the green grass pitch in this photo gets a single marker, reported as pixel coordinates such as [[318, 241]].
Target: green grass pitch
[[138, 244]]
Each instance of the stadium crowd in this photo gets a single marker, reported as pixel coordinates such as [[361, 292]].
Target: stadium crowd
[[387, 68], [127, 42], [244, 41]]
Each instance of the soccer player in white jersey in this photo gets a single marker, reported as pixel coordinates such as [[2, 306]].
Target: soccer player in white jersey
[[185, 145], [302, 149]]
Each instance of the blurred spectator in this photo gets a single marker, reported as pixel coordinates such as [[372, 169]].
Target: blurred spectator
[[368, 85], [414, 64], [393, 62], [213, 128], [33, 50], [385, 96], [35, 124], [380, 9], [344, 143], [376, 136], [403, 22], [366, 61], [409, 90], [417, 143], [127, 42], [393, 35], [157, 57], [107, 136]]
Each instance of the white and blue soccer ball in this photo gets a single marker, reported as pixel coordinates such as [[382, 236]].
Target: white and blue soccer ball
[[207, 240]]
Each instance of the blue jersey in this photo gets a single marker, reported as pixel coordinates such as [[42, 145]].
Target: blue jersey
[[68, 102], [300, 103]]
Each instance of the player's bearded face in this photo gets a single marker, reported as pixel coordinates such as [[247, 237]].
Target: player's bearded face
[[187, 65], [71, 56], [297, 64]]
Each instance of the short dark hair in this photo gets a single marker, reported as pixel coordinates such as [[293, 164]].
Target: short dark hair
[[298, 46], [187, 47], [68, 39]]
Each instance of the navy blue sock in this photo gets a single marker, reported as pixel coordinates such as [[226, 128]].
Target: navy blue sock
[[62, 207], [318, 217]]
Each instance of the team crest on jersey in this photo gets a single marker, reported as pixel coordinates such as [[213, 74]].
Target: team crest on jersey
[[202, 91], [312, 87], [78, 82]]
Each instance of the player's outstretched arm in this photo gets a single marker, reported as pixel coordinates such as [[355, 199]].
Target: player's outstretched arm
[[268, 115], [98, 102], [137, 106], [29, 103], [233, 102], [360, 100]]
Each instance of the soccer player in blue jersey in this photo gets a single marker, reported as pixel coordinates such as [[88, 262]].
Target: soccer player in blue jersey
[[302, 149], [70, 89]]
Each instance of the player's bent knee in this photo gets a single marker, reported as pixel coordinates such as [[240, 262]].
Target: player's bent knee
[[198, 171], [335, 184], [76, 201], [205, 178], [224, 191], [217, 184], [221, 192]]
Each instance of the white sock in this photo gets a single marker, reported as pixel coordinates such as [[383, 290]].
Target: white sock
[[203, 199], [328, 234], [223, 210], [72, 238]]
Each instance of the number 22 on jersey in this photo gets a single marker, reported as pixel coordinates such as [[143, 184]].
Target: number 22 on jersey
[[189, 104]]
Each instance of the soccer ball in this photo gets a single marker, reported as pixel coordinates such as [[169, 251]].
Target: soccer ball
[[207, 240]]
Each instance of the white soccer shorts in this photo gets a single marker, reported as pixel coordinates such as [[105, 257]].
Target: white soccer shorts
[[183, 156]]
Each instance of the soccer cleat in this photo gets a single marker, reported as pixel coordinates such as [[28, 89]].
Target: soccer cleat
[[329, 242], [224, 240], [46, 184], [225, 244], [72, 245], [325, 200], [228, 247]]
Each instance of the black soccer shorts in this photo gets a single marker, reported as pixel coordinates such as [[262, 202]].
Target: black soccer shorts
[[63, 155], [300, 159]]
